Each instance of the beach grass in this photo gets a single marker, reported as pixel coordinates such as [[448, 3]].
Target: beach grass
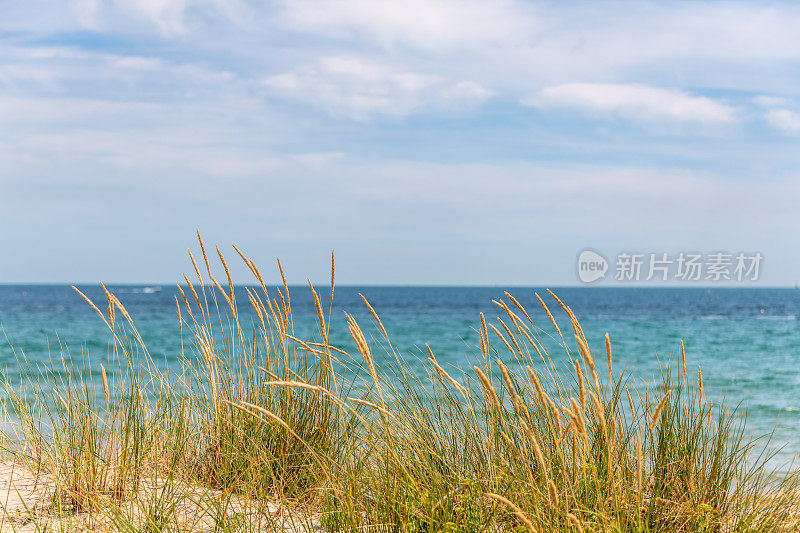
[[258, 429]]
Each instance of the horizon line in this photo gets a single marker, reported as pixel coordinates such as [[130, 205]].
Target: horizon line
[[642, 285]]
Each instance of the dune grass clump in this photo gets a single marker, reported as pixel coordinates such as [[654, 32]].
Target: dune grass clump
[[258, 429]]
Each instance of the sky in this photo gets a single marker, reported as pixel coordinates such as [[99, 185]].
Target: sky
[[470, 142]]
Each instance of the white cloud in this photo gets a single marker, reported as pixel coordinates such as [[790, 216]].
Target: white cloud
[[155, 151], [506, 43], [21, 112], [359, 88], [785, 120], [633, 199], [517, 45], [431, 25], [202, 74], [318, 160], [466, 93], [86, 12], [170, 15], [53, 72], [137, 63], [637, 102], [769, 101]]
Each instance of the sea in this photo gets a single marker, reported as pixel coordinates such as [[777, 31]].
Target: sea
[[747, 341]]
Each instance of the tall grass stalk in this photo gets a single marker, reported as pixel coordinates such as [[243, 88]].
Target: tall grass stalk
[[256, 422]]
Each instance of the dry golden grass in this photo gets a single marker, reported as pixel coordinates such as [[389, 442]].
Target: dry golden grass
[[261, 417]]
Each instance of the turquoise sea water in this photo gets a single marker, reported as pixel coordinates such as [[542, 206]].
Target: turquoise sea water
[[745, 353]]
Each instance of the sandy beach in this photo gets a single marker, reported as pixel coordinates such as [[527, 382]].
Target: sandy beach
[[28, 507]]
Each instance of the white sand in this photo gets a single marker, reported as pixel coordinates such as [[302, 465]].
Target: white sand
[[26, 505]]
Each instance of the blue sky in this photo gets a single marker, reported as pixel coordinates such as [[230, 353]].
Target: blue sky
[[425, 141]]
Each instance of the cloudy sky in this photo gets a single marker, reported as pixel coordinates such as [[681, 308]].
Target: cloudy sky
[[425, 141]]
